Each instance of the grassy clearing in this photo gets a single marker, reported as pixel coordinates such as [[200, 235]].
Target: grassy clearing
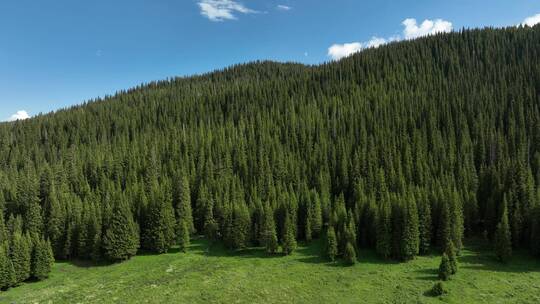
[[217, 276]]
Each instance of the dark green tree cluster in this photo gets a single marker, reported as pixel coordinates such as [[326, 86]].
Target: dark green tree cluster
[[405, 148]]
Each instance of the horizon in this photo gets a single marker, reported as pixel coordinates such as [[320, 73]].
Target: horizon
[[48, 66]]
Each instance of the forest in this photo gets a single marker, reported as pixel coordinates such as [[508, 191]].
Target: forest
[[405, 149]]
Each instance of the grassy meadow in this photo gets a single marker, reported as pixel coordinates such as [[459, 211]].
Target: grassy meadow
[[211, 274]]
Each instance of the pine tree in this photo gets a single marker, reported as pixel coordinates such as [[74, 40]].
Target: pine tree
[[289, 240], [182, 202], [350, 254], [503, 242], [41, 260], [424, 216], [7, 272], [384, 230], [452, 258], [445, 269], [410, 238], [331, 244], [240, 226], [183, 235], [20, 256], [159, 228], [120, 240], [269, 235]]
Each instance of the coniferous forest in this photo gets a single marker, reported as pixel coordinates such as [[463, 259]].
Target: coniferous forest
[[406, 149]]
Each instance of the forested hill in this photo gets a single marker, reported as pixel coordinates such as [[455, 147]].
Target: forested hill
[[402, 148]]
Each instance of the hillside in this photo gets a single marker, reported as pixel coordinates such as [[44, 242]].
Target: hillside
[[404, 150]]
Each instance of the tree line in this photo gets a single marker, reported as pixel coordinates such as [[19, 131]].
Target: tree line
[[404, 149]]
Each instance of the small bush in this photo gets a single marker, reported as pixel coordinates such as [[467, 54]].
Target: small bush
[[438, 289]]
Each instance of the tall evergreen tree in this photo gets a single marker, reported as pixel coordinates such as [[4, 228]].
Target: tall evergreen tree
[[331, 244], [503, 242], [289, 240], [120, 240]]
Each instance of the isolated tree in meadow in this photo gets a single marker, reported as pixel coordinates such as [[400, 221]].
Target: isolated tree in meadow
[[502, 241], [445, 269], [269, 234], [331, 244], [452, 257], [7, 272], [120, 240], [288, 240], [350, 254]]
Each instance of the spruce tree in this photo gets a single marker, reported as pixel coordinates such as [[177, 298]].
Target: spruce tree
[[41, 260], [424, 216], [183, 235], [159, 232], [410, 238], [445, 269], [502, 241], [384, 230], [120, 240], [331, 244], [269, 234], [182, 202], [7, 272], [452, 257], [20, 256], [350, 254], [289, 240]]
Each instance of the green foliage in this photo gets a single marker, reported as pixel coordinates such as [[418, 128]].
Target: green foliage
[[350, 254], [120, 241], [384, 231], [348, 144], [452, 257], [331, 244], [289, 240], [42, 259], [502, 241], [183, 235], [269, 234], [20, 255], [438, 289], [7, 272], [445, 268]]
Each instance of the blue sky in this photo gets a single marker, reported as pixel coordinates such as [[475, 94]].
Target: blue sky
[[56, 53]]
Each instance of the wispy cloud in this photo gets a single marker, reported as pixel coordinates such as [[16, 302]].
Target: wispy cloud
[[283, 7], [20, 115], [532, 20], [221, 10], [411, 31]]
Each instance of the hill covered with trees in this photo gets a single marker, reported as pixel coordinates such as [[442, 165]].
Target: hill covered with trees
[[406, 149]]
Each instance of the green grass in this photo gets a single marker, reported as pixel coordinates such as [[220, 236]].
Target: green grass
[[219, 276]]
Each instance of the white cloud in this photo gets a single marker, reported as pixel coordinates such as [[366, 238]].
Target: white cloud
[[428, 27], [532, 20], [20, 115], [221, 10], [282, 7], [411, 31], [338, 51]]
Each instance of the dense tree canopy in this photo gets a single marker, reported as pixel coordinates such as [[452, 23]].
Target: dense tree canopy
[[404, 148]]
